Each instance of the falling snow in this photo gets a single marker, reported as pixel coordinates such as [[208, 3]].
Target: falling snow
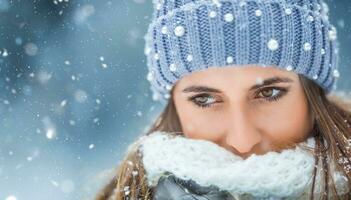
[[213, 14], [179, 31], [172, 67], [229, 17], [273, 44], [75, 86], [189, 58], [288, 11], [258, 13], [307, 46], [164, 30], [11, 198], [230, 59], [289, 68], [259, 80]]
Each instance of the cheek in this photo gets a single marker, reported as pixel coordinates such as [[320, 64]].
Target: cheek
[[288, 121], [198, 123]]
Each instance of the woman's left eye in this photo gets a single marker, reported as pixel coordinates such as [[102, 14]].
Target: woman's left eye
[[272, 94]]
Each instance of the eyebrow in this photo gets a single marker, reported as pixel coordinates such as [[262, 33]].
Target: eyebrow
[[265, 82]]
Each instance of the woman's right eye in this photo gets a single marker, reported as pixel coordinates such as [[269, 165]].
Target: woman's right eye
[[203, 100]]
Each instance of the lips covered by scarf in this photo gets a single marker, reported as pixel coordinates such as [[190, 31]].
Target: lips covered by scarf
[[275, 174]]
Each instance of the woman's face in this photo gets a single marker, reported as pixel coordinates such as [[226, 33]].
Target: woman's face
[[247, 110]]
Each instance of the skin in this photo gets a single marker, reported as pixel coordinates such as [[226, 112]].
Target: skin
[[238, 118]]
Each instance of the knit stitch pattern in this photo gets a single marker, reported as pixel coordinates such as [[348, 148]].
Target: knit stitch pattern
[[274, 174], [191, 35]]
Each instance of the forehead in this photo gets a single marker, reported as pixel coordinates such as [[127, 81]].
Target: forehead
[[234, 75]]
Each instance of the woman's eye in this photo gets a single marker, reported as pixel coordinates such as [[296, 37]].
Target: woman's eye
[[272, 94], [267, 94], [203, 100]]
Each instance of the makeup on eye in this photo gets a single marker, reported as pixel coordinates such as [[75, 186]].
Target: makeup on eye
[[199, 104], [280, 92]]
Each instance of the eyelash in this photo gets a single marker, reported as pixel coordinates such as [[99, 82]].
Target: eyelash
[[281, 93]]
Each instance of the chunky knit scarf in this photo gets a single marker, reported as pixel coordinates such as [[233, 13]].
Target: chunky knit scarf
[[274, 175]]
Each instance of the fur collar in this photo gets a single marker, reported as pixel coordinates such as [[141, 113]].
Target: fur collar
[[286, 174]]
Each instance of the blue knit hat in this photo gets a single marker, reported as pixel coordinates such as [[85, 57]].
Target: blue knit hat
[[190, 35]]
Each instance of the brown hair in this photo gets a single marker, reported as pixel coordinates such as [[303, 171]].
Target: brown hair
[[331, 130]]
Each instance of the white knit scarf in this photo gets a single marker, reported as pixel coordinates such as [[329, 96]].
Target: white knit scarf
[[274, 175]]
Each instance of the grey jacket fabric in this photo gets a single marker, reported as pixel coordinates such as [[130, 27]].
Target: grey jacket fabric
[[170, 187]]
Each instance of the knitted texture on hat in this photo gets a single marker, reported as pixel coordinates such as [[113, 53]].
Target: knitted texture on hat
[[190, 35]]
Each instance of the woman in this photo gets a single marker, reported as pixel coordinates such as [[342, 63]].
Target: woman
[[248, 84]]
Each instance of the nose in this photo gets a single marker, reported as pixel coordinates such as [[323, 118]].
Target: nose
[[241, 133]]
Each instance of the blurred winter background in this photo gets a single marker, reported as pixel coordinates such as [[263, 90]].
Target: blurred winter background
[[74, 92]]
